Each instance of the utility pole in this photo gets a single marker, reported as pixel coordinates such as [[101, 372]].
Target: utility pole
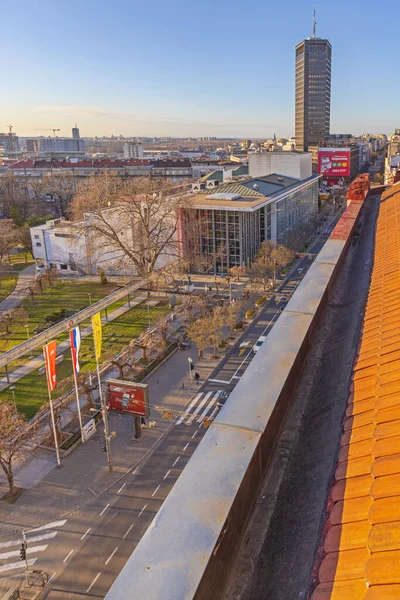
[[190, 360], [104, 412]]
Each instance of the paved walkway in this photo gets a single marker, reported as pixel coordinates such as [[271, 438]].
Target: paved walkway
[[51, 493], [25, 278], [36, 363]]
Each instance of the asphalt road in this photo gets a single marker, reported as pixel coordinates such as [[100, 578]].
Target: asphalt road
[[84, 554]]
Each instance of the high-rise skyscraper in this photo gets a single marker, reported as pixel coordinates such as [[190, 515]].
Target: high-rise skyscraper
[[75, 132], [313, 91]]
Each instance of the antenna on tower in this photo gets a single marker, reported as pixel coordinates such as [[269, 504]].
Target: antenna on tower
[[315, 25]]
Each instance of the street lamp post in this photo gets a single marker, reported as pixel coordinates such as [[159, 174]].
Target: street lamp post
[[190, 360], [90, 299], [12, 388]]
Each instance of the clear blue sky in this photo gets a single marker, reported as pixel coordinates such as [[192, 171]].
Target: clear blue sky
[[214, 67]]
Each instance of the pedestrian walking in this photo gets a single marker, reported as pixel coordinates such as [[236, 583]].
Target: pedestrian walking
[[197, 377]]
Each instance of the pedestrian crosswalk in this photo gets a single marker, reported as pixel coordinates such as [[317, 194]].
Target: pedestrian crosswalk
[[204, 405], [10, 550]]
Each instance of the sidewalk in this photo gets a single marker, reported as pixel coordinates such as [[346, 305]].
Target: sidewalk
[[51, 493], [38, 362], [25, 278]]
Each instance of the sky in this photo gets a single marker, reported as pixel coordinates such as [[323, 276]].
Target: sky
[[178, 68]]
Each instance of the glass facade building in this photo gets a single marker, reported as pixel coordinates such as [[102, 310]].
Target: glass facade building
[[218, 238], [313, 92]]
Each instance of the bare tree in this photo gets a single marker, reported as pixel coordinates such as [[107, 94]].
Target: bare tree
[[197, 230], [62, 187], [132, 223], [232, 314], [207, 331], [14, 198], [238, 272], [270, 259], [8, 237], [16, 437], [32, 291], [11, 317]]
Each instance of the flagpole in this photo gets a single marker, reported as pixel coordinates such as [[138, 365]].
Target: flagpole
[[105, 418], [78, 404], [75, 347], [54, 423]]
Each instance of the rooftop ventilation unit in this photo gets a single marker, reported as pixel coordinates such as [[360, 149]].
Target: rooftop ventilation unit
[[255, 187], [226, 196]]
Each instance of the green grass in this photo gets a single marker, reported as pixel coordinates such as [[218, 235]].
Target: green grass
[[8, 280], [71, 295], [31, 391]]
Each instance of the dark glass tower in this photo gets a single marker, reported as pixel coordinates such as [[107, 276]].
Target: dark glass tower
[[313, 92]]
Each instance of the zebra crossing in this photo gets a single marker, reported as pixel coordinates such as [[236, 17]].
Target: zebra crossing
[[204, 405], [10, 550]]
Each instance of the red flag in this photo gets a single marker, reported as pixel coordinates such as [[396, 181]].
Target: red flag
[[50, 355]]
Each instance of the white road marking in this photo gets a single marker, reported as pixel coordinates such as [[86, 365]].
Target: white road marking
[[194, 434], [210, 404], [52, 577], [68, 555], [127, 532], [85, 534], [236, 377], [176, 461], [111, 555], [36, 538], [17, 565], [143, 509], [189, 408], [186, 446], [104, 510], [121, 488], [93, 582], [29, 550], [52, 525], [199, 407], [166, 474], [156, 490], [218, 381]]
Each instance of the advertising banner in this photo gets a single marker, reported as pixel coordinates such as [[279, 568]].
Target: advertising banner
[[128, 397], [50, 356], [334, 162]]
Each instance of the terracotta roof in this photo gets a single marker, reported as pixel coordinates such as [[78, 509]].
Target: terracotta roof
[[362, 546]]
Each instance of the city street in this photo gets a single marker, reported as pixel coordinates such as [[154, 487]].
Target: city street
[[92, 546], [84, 550]]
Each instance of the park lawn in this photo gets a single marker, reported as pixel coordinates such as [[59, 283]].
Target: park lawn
[[31, 391], [71, 295], [8, 280]]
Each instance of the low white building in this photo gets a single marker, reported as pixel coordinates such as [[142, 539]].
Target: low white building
[[290, 164], [133, 150]]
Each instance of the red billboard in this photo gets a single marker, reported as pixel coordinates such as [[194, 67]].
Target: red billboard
[[334, 162], [128, 397]]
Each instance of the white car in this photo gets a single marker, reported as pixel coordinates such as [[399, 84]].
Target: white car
[[259, 343]]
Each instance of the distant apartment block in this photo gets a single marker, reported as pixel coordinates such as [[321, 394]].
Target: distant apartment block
[[56, 146], [291, 164], [9, 143], [133, 150]]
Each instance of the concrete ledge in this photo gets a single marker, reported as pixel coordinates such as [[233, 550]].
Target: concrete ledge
[[192, 518]]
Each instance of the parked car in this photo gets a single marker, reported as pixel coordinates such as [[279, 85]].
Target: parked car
[[259, 343]]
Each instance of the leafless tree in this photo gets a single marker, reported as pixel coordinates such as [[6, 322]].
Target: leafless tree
[[11, 317], [62, 187], [238, 272], [133, 222], [207, 331], [8, 237], [16, 439], [269, 260], [232, 315]]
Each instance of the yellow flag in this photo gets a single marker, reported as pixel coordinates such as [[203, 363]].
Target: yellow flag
[[97, 335]]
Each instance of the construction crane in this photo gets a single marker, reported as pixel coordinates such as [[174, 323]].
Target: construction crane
[[53, 130]]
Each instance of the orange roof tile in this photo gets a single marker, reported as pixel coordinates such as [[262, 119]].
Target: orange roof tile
[[363, 544]]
